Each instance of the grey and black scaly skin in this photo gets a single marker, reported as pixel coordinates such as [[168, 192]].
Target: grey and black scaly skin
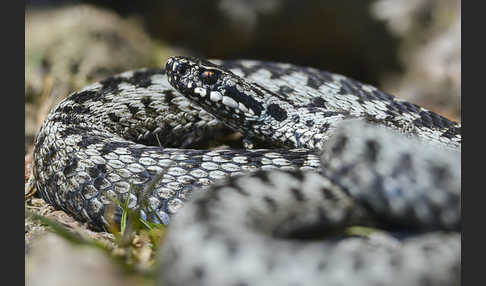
[[270, 227], [401, 180], [267, 227]]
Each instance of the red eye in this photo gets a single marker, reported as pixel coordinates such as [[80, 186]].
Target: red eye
[[209, 76], [208, 73]]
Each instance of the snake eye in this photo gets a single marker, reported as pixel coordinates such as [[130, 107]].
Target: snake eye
[[209, 76]]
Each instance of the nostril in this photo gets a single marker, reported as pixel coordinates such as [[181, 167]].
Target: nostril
[[182, 69], [176, 67]]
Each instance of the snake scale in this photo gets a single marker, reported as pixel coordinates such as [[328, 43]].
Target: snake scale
[[342, 154]]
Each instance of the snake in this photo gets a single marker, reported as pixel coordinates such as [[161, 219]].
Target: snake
[[338, 153]]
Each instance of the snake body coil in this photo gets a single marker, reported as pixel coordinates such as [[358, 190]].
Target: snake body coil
[[338, 169]]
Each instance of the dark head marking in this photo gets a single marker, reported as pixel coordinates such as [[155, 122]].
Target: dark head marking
[[277, 112]]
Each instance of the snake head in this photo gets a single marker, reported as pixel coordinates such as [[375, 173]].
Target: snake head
[[216, 89], [249, 107]]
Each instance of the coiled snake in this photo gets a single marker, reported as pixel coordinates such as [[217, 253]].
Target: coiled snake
[[347, 153]]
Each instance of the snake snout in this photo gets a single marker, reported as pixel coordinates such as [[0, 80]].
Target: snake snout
[[177, 67]]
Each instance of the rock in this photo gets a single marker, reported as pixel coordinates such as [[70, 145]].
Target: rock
[[52, 261], [430, 51]]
